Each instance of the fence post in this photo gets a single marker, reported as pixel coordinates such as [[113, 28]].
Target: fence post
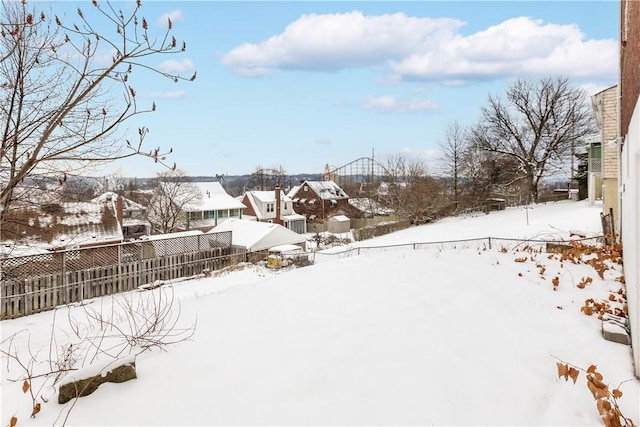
[[120, 285], [613, 226], [63, 281], [489, 243]]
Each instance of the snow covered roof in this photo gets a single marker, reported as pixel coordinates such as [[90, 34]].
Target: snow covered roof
[[172, 235], [369, 205], [267, 196], [127, 204], [327, 190], [293, 217], [339, 218], [258, 236], [214, 197], [66, 225]]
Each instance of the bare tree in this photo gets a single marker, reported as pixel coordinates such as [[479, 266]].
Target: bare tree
[[396, 167], [114, 182], [166, 208], [536, 126], [410, 191], [421, 199], [453, 147], [61, 104], [263, 179]]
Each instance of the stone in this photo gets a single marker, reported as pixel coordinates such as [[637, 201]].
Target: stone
[[612, 330], [85, 386]]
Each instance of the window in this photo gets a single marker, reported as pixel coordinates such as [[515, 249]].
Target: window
[[224, 213], [285, 205], [234, 212], [306, 188], [270, 207]]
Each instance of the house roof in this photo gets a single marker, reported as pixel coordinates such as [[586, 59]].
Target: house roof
[[65, 225], [172, 235], [258, 236], [213, 198], [293, 217], [339, 218], [364, 204], [268, 196], [258, 198], [128, 206], [327, 190]]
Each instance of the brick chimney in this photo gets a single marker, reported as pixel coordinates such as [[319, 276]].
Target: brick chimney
[[278, 208], [119, 208]]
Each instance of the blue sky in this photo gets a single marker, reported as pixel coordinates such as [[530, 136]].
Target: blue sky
[[304, 84]]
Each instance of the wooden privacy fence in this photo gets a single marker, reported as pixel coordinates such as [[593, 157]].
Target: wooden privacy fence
[[35, 283]]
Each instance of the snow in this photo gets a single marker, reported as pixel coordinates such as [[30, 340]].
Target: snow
[[257, 236], [401, 337], [102, 368]]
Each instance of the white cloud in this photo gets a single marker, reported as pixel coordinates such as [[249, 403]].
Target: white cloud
[[391, 104], [173, 67], [518, 46], [427, 49], [178, 94], [593, 88], [427, 155], [174, 15], [338, 41], [323, 141]]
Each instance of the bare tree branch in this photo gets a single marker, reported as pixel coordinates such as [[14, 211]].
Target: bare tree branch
[[536, 126], [59, 111]]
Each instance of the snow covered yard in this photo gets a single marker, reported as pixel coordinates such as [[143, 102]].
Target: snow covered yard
[[403, 337]]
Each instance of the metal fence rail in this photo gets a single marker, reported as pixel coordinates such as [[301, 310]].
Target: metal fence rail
[[34, 283], [479, 244]]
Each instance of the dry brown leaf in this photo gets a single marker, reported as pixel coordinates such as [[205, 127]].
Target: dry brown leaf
[[597, 392], [555, 281], [587, 310], [563, 370], [597, 387], [612, 297], [592, 369], [25, 386], [13, 421], [573, 373], [616, 393], [36, 409], [603, 405]]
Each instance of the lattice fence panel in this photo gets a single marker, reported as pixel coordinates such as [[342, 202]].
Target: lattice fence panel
[[34, 283]]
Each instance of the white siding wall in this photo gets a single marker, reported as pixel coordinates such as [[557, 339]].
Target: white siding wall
[[630, 227]]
